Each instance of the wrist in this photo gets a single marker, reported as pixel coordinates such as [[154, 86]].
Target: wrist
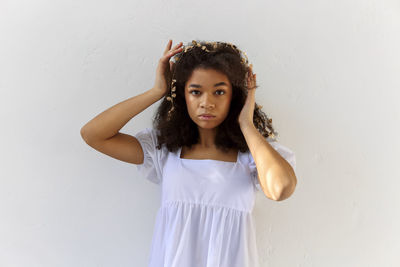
[[157, 93], [246, 124]]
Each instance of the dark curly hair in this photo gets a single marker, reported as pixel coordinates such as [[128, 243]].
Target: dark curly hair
[[180, 130]]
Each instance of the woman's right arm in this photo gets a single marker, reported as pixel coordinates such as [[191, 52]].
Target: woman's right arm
[[102, 132]]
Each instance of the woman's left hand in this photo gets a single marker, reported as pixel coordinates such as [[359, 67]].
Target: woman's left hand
[[246, 115]]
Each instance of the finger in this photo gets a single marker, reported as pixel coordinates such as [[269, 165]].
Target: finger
[[176, 46], [177, 50], [170, 53], [168, 46], [174, 51]]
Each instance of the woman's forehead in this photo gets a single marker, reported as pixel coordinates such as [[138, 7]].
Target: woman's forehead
[[207, 77]]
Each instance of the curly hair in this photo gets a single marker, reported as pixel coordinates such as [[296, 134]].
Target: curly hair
[[179, 130]]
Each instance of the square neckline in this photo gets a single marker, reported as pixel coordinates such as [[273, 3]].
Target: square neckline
[[212, 160]]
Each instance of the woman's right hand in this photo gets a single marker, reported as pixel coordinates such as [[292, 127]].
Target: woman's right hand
[[165, 68]]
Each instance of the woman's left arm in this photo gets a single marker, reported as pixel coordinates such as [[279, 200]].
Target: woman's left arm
[[275, 173]]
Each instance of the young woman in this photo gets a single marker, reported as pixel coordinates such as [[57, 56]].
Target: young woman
[[211, 148]]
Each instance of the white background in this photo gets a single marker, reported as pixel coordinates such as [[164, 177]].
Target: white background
[[329, 76]]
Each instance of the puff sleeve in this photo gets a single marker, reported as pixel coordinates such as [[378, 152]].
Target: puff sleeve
[[284, 151], [151, 168]]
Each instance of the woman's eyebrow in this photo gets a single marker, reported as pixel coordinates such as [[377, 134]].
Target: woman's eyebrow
[[215, 85]]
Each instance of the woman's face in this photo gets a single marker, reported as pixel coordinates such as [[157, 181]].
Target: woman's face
[[208, 91]]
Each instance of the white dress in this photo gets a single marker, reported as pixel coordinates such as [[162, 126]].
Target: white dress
[[205, 215]]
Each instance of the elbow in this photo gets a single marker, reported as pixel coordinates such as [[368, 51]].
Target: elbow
[[84, 134], [286, 191]]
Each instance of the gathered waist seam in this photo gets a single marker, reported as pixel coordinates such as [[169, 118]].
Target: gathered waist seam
[[204, 204]]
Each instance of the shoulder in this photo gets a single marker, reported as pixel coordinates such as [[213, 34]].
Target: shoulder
[[148, 138], [149, 134]]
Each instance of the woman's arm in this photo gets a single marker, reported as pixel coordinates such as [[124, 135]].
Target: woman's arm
[[102, 132], [276, 176], [108, 123]]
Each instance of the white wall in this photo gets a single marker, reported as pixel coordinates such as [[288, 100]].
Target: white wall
[[329, 77]]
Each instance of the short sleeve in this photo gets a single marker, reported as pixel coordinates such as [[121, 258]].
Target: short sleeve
[[284, 151], [151, 168]]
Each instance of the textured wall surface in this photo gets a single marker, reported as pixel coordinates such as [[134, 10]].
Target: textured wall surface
[[329, 77]]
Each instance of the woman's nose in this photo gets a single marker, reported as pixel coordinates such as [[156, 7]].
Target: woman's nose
[[207, 105], [206, 102]]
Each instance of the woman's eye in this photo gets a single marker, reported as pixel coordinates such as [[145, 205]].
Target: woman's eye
[[198, 91]]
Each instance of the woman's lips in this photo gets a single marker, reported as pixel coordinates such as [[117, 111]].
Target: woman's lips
[[203, 117]]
